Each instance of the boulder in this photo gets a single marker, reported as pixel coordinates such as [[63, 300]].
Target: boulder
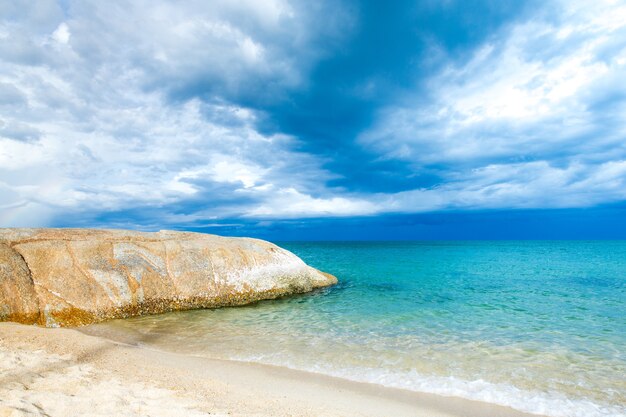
[[72, 277]]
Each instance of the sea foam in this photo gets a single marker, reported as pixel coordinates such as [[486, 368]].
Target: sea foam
[[553, 404]]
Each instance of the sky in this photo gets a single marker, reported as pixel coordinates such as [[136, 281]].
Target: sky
[[327, 120]]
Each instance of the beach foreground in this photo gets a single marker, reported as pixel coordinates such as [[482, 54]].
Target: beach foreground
[[59, 372]]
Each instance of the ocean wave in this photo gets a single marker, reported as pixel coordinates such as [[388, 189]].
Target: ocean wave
[[553, 404]]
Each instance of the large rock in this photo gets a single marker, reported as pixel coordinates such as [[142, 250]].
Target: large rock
[[70, 277]]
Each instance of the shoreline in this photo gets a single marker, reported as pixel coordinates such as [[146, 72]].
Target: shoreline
[[150, 382]]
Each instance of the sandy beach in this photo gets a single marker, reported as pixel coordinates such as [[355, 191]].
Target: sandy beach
[[62, 372]]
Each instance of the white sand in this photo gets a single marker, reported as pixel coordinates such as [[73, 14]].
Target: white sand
[[62, 372], [38, 383]]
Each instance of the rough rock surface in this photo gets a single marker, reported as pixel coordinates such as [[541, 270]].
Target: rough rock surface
[[71, 277]]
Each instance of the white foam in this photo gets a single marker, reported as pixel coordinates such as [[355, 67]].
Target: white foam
[[552, 404]]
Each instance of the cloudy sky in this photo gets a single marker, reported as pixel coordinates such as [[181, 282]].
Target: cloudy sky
[[330, 119]]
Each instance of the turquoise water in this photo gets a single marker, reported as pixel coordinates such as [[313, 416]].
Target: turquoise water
[[538, 326]]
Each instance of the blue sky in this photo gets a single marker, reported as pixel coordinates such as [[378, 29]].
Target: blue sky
[[334, 120]]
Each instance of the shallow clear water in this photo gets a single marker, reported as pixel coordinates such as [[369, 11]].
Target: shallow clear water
[[539, 326]]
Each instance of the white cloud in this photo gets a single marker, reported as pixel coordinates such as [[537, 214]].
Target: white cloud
[[62, 33], [225, 169], [88, 123], [541, 100], [114, 106], [290, 203], [523, 185]]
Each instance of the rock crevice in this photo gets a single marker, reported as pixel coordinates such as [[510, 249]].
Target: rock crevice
[[71, 277]]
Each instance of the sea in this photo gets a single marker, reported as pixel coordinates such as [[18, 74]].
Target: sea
[[539, 326]]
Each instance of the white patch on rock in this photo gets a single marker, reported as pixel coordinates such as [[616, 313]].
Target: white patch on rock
[[115, 285], [266, 276], [136, 258]]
